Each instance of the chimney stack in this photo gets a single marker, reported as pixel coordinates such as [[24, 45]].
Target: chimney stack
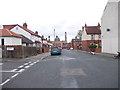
[[36, 32], [85, 25], [99, 25], [25, 25], [48, 38], [82, 28]]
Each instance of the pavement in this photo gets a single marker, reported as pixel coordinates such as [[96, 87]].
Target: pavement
[[101, 54], [32, 58]]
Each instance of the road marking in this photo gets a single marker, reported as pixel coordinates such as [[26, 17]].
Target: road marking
[[14, 70], [1, 63], [31, 64], [66, 58], [26, 66], [26, 63], [14, 75], [35, 62], [21, 66], [9, 71], [4, 82], [21, 70]]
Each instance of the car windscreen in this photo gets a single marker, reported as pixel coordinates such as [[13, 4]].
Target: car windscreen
[[54, 48]]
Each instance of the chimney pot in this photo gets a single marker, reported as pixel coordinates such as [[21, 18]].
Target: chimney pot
[[36, 32], [25, 25]]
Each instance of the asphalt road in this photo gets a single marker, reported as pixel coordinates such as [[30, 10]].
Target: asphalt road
[[72, 69]]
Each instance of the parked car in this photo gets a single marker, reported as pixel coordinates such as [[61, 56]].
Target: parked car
[[55, 51]]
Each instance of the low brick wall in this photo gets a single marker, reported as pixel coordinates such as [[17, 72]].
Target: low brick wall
[[98, 50], [19, 51], [86, 43]]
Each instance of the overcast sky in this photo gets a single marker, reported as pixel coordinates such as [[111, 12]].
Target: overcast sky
[[45, 15]]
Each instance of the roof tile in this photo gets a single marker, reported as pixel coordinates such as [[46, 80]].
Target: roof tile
[[93, 30], [6, 32]]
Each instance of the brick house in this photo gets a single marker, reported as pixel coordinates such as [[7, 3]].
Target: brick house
[[46, 44], [76, 43], [91, 34]]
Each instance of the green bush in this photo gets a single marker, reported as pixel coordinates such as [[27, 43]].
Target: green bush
[[92, 46]]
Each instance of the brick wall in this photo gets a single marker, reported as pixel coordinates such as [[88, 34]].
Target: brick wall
[[76, 45], [86, 43]]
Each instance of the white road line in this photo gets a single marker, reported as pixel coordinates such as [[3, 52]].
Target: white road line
[[35, 62], [31, 64], [21, 66], [1, 63], [21, 70], [14, 75], [26, 66], [9, 71], [14, 70], [5, 82], [26, 63]]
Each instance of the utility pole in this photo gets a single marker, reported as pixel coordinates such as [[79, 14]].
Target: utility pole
[[54, 37]]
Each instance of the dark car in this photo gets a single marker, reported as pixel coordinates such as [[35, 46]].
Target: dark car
[[55, 51]]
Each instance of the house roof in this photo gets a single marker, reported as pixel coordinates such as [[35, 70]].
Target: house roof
[[26, 40], [9, 26], [92, 29], [12, 26], [8, 33], [31, 32], [37, 42]]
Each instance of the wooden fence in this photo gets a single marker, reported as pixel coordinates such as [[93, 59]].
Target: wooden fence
[[19, 51]]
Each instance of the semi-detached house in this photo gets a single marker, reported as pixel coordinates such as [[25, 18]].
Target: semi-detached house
[[91, 34], [19, 41], [9, 38], [32, 38]]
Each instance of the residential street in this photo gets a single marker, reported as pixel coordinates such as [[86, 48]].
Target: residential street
[[72, 69]]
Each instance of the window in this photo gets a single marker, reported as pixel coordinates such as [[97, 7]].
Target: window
[[99, 36], [2, 41], [92, 37]]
